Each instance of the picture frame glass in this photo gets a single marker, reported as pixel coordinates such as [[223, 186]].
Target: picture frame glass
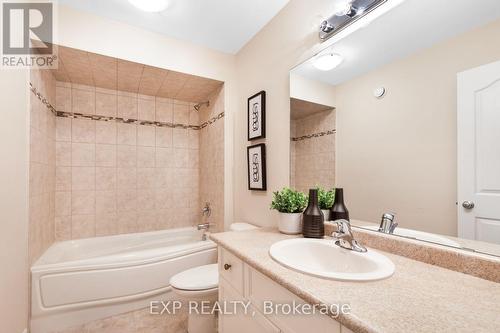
[[256, 165], [256, 116]]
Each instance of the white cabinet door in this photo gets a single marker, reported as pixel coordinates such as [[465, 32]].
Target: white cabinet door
[[251, 322], [261, 289], [478, 121]]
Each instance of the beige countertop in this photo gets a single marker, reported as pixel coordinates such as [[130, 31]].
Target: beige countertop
[[418, 298]]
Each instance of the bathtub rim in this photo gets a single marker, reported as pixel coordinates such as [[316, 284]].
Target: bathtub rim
[[106, 261]]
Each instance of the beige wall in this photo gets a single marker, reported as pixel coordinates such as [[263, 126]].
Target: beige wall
[[14, 149], [399, 153], [311, 90], [92, 33], [264, 64]]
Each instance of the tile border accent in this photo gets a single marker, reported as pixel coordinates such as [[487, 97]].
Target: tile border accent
[[43, 99], [314, 135], [76, 115]]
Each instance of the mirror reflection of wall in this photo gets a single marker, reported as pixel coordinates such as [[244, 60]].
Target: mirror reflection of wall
[[398, 153], [312, 130]]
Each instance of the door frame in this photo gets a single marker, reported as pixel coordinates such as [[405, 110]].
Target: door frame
[[467, 83]]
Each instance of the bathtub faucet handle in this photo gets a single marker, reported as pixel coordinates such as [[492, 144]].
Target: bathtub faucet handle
[[204, 227], [206, 210]]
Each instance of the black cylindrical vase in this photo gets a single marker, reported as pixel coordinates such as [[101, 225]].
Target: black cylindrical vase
[[339, 210], [313, 220]]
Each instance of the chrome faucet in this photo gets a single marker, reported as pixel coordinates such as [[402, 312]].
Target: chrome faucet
[[206, 210], [204, 227], [345, 239], [387, 224]]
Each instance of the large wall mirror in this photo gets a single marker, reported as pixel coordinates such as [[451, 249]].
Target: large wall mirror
[[404, 115]]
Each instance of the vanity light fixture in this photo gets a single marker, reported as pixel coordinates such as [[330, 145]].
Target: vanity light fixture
[[347, 13], [150, 6], [327, 61]]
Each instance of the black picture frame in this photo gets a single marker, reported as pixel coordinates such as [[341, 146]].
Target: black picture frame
[[259, 170], [260, 113]]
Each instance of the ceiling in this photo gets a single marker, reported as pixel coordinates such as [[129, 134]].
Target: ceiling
[[409, 27], [81, 67], [223, 25], [301, 109]]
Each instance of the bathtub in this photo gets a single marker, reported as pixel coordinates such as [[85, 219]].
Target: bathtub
[[79, 281]]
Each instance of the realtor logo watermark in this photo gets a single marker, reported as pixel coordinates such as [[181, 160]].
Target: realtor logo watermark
[[293, 308], [28, 34]]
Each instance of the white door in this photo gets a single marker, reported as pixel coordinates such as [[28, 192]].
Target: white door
[[479, 153]]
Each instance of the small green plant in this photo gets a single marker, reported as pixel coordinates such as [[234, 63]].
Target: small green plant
[[325, 198], [289, 201]]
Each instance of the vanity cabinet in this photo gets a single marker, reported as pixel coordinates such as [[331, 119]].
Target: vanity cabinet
[[242, 283]]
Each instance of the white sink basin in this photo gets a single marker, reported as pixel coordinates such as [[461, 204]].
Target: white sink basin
[[322, 258], [420, 235]]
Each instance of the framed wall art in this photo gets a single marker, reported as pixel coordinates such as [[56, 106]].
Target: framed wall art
[[256, 160], [257, 116]]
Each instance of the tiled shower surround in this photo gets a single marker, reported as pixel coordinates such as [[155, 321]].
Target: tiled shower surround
[[313, 151], [115, 177], [42, 165], [212, 160]]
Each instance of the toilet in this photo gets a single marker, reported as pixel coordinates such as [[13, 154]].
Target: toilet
[[201, 284]]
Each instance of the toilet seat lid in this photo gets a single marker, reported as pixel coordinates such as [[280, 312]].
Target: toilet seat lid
[[197, 278]]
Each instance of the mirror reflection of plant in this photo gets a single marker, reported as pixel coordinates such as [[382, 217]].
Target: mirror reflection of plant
[[325, 198], [289, 201]]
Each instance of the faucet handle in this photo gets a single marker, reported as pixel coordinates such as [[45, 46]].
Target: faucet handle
[[343, 229], [343, 226], [344, 237]]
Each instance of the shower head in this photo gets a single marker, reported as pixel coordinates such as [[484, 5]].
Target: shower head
[[198, 106]]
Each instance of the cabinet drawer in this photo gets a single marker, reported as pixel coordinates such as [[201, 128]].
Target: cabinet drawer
[[261, 289], [231, 269], [251, 322]]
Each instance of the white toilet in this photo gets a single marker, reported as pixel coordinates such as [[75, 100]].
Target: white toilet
[[201, 284]]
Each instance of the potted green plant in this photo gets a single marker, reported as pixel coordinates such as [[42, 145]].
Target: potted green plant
[[290, 204], [326, 200]]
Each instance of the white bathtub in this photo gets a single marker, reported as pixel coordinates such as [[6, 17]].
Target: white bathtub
[[78, 281]]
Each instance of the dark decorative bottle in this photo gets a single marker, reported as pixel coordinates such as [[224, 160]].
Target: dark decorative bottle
[[339, 210], [313, 221]]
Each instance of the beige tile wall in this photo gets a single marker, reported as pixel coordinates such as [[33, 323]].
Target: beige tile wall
[[212, 159], [115, 177], [42, 165], [313, 160]]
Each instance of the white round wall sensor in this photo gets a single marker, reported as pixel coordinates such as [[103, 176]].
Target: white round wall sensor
[[379, 92]]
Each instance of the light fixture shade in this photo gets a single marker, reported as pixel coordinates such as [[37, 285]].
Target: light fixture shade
[[151, 6], [343, 8], [328, 61]]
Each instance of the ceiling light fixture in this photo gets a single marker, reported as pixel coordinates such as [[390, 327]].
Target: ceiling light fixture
[[150, 6], [328, 61]]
